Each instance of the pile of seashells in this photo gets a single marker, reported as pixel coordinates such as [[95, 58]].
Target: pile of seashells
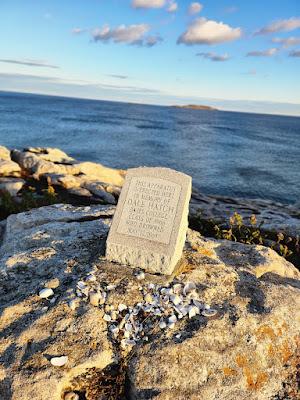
[[162, 307]]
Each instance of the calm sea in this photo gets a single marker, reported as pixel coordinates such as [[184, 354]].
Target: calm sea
[[227, 153]]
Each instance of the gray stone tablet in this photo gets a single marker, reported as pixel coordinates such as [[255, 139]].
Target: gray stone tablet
[[149, 227]]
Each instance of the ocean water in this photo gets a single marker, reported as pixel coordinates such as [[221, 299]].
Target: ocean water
[[226, 153]]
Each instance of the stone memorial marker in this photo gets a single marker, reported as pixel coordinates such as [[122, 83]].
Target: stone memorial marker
[[149, 227]]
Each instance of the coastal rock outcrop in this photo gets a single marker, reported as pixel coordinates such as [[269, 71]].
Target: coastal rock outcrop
[[88, 183], [244, 343]]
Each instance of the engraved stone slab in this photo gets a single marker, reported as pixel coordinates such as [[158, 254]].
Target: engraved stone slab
[[150, 223]]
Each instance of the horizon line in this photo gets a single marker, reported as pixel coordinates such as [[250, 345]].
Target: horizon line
[[165, 105]]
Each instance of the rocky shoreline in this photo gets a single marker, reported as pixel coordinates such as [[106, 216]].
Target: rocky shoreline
[[33, 170]]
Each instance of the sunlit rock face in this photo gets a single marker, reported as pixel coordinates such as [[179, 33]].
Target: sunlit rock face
[[239, 341]]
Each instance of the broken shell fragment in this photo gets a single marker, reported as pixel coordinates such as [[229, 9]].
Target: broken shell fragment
[[122, 307], [162, 325], [175, 299], [140, 276], [189, 287], [59, 361], [209, 312], [107, 317], [193, 311]]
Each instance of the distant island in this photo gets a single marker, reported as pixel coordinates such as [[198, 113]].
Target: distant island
[[197, 107]]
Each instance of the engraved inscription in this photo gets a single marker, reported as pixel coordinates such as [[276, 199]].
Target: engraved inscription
[[149, 209]]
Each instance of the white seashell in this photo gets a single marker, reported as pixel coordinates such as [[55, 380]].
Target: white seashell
[[175, 299], [81, 285], [177, 288], [162, 325], [193, 311], [151, 286], [135, 311], [183, 310], [172, 319], [95, 298], [45, 293], [128, 327], [179, 314], [127, 334], [188, 287], [44, 309], [140, 276], [91, 278], [122, 307], [59, 361], [71, 396], [148, 308], [198, 304], [209, 313], [107, 317], [111, 287], [165, 290]]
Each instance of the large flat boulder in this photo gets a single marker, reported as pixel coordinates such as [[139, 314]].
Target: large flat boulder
[[242, 343], [4, 153], [9, 168]]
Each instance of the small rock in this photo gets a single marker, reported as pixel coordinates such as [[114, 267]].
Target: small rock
[[95, 298], [59, 361], [45, 293]]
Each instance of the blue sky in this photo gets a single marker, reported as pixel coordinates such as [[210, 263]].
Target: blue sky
[[235, 54]]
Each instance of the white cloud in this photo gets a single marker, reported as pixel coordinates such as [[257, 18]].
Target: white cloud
[[287, 42], [204, 31], [131, 34], [282, 25], [295, 53], [77, 31], [195, 8], [265, 53], [148, 3], [214, 57], [172, 7], [29, 63]]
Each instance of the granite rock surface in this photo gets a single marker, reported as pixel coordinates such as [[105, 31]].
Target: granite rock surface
[[248, 349]]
